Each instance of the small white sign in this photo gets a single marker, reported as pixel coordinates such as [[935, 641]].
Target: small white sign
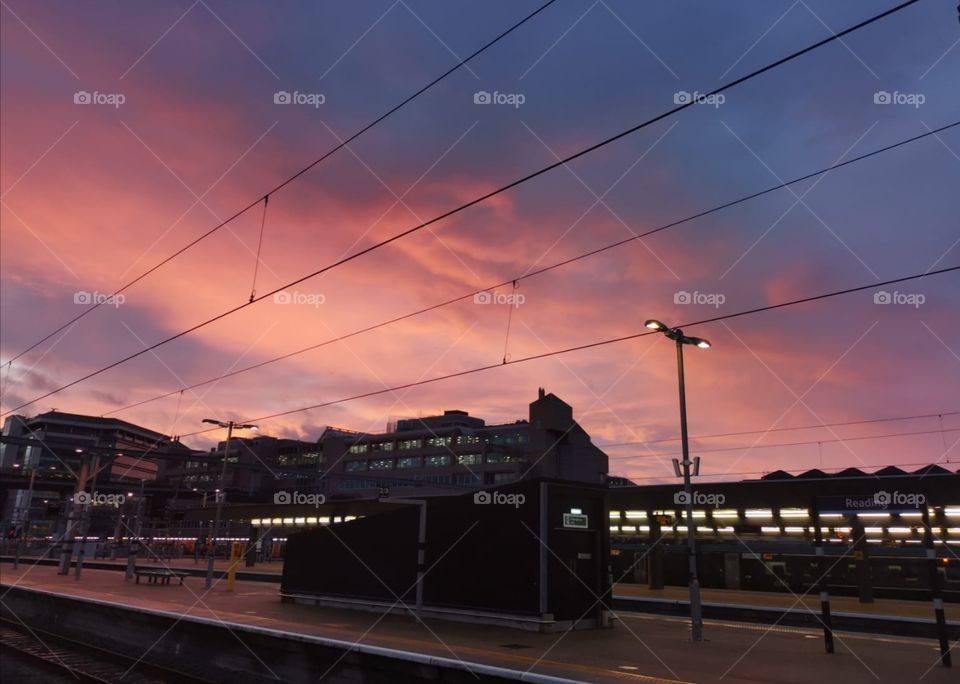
[[579, 522]]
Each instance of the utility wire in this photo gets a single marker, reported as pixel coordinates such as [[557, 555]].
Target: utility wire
[[787, 444], [784, 429], [530, 274], [482, 198], [592, 345], [256, 263], [290, 179]]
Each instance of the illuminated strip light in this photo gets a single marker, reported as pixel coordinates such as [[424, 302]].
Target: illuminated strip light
[[952, 511], [614, 515], [312, 521], [299, 521], [727, 513], [759, 513], [726, 530], [793, 513], [899, 530], [874, 541], [831, 515], [643, 528], [911, 515], [873, 530], [614, 528], [705, 529], [794, 530], [953, 531], [770, 530], [633, 515]]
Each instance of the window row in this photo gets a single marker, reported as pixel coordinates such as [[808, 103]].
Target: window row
[[437, 461], [439, 442]]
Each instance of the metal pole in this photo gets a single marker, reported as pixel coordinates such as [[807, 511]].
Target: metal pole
[[936, 591], [134, 546], [421, 555], [212, 551], [696, 612], [76, 513], [26, 522], [85, 521], [822, 584]]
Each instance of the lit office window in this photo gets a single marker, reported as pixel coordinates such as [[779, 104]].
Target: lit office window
[[407, 444], [469, 459], [439, 441], [468, 439], [409, 462], [437, 461], [503, 458], [381, 464], [358, 449]]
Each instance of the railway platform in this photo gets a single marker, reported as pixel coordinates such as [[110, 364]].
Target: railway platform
[[640, 648]]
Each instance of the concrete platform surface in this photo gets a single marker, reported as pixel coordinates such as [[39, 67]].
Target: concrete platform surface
[[640, 648], [763, 599]]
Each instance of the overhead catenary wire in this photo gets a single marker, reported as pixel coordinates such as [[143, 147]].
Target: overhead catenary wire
[[786, 444], [786, 429], [292, 178], [256, 263], [482, 198], [834, 36], [545, 269], [593, 345]]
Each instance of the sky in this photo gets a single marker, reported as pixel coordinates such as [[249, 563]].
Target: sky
[[130, 129]]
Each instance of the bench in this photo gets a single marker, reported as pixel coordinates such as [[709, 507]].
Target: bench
[[158, 576]]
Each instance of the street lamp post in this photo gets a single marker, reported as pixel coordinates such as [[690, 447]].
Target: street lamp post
[[676, 334], [211, 552]]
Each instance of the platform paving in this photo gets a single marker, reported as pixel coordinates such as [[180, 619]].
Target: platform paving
[[641, 648]]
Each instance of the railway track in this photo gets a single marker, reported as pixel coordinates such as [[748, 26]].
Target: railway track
[[83, 662]]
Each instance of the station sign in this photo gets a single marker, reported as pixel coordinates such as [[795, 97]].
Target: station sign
[[576, 521], [878, 502]]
